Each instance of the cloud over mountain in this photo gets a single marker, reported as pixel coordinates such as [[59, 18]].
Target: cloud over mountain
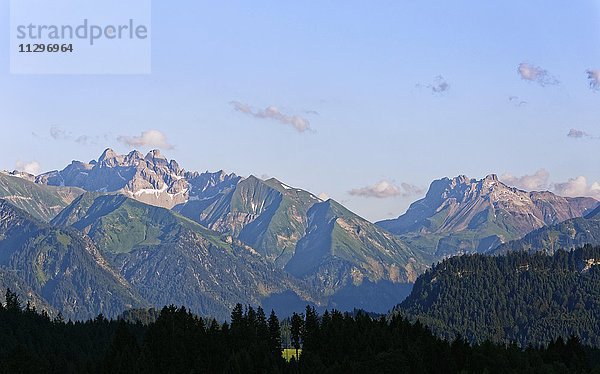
[[385, 189], [535, 182], [147, 139], [271, 112], [578, 186], [31, 167], [540, 181]]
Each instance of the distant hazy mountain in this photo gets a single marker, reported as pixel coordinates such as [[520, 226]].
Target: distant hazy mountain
[[462, 215], [566, 235]]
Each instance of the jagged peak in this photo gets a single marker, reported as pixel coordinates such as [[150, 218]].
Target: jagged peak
[[135, 154], [465, 180], [491, 177], [107, 155], [155, 155], [460, 179]]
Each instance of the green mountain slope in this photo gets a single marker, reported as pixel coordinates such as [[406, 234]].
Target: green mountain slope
[[42, 202], [62, 266], [322, 243], [170, 259], [569, 234], [266, 215], [341, 244], [10, 279], [518, 297]]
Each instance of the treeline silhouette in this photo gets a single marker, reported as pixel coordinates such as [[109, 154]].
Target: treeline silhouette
[[177, 341]]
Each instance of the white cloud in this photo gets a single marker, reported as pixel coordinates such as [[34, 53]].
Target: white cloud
[[535, 182], [533, 73], [594, 78], [147, 139], [385, 189], [577, 187], [539, 181], [32, 167], [301, 124]]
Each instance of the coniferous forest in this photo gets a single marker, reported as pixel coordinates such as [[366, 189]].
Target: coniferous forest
[[517, 297], [177, 341]]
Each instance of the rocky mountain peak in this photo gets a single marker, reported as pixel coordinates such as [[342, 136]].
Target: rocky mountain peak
[[460, 209], [155, 155], [19, 174], [134, 157], [108, 154], [151, 179]]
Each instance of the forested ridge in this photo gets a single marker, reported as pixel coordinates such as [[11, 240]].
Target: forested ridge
[[176, 341], [517, 297]]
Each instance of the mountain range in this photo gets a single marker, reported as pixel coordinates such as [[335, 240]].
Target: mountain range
[[130, 231], [463, 215]]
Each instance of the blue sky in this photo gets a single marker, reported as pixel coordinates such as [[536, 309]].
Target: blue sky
[[359, 77]]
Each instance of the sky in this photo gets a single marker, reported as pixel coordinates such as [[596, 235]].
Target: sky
[[363, 102]]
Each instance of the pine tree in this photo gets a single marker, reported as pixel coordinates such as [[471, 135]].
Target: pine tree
[[311, 327], [237, 318], [122, 354], [296, 331], [262, 329], [274, 334], [13, 304]]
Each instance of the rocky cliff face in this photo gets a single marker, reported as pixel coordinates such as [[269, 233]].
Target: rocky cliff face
[[466, 215], [151, 179]]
